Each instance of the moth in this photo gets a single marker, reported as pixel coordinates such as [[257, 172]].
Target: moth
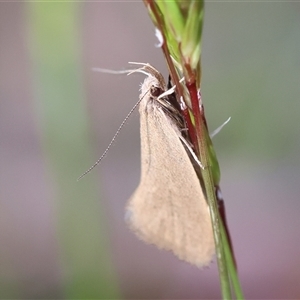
[[168, 209]]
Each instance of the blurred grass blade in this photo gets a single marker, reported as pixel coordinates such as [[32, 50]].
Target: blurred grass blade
[[64, 122]]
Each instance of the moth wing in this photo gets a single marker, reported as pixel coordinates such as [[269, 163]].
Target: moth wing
[[168, 208]]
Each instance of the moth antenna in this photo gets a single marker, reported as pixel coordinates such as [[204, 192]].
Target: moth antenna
[[129, 72], [112, 140]]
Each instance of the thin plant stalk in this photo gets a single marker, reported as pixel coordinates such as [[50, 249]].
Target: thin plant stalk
[[179, 27]]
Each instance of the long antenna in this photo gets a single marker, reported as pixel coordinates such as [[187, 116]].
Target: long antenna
[[141, 70], [112, 140]]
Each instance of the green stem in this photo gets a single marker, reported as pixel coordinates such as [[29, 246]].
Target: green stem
[[236, 286], [201, 133]]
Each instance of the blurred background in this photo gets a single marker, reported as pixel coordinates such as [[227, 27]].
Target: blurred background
[[60, 238]]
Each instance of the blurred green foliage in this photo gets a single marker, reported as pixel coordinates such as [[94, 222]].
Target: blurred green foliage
[[84, 246]]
